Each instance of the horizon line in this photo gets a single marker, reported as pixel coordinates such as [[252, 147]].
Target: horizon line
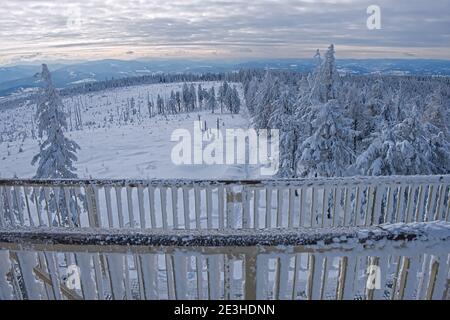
[[213, 60]]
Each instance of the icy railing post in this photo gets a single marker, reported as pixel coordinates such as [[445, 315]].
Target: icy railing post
[[250, 274], [94, 219]]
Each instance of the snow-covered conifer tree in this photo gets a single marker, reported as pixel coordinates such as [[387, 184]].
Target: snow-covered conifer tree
[[250, 95], [235, 101], [405, 149], [212, 103], [375, 104], [186, 97], [267, 93], [327, 80], [222, 95], [172, 103], [228, 100], [381, 157], [149, 106], [160, 104], [328, 151], [192, 98], [283, 120], [57, 152], [358, 113], [436, 114], [413, 146], [200, 95], [440, 147], [178, 100]]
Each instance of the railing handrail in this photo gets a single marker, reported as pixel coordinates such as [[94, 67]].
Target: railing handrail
[[297, 182], [222, 204], [325, 238]]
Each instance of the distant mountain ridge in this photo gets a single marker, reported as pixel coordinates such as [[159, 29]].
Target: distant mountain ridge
[[21, 77]]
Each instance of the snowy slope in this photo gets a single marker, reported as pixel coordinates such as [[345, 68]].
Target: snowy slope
[[113, 148]]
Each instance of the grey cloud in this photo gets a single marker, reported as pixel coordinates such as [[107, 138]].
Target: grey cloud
[[232, 27]]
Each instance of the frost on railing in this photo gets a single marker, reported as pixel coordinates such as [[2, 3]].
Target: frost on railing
[[401, 261], [224, 204]]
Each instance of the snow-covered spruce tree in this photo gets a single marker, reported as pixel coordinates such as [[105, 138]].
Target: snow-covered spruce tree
[[228, 100], [172, 103], [408, 148], [205, 96], [57, 152], [178, 101], [267, 93], [250, 95], [235, 101], [313, 95], [377, 107], [328, 151], [232, 101], [149, 106], [133, 106], [212, 103], [160, 104], [440, 146], [394, 104], [283, 120], [413, 148], [186, 97], [317, 59], [193, 97], [303, 109], [202, 96], [222, 95], [418, 153], [326, 80], [361, 120], [380, 158], [436, 113]]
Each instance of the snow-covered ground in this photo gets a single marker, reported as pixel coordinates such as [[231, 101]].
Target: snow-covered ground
[[114, 148]]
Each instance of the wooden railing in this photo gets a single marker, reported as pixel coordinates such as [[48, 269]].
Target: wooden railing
[[268, 239], [216, 204], [390, 262]]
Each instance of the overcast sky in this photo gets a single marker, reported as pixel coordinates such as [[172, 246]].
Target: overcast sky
[[220, 29]]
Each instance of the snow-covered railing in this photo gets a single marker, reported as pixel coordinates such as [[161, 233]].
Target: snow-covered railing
[[224, 204], [400, 261]]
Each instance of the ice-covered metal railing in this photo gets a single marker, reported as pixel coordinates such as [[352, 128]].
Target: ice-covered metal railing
[[224, 204], [401, 261]]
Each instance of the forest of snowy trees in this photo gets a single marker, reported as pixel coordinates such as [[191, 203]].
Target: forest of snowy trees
[[189, 99], [354, 125]]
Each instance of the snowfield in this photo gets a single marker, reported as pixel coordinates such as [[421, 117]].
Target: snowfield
[[112, 147]]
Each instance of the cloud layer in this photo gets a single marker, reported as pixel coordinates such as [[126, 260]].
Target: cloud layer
[[93, 29]]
